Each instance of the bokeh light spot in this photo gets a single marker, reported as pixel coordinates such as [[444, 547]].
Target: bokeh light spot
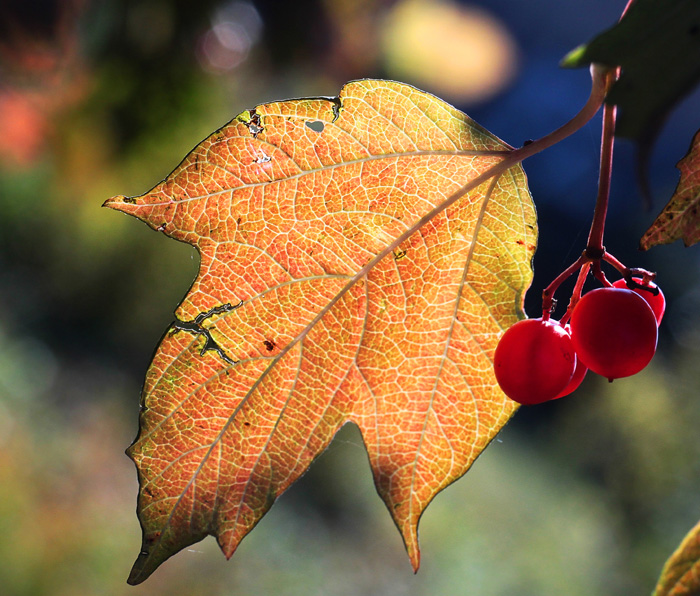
[[235, 30], [458, 52]]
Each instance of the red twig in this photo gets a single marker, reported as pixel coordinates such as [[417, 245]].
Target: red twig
[[595, 248]]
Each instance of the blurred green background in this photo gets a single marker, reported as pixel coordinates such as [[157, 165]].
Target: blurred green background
[[587, 495]]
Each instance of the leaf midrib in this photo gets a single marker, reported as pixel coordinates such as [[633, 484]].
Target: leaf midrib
[[302, 173]]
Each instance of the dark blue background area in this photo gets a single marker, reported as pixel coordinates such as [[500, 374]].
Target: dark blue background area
[[563, 179]]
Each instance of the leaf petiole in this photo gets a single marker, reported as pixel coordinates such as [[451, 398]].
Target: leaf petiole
[[600, 84]]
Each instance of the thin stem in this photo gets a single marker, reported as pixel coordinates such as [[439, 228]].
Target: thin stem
[[608, 258], [628, 272], [627, 7], [576, 294], [549, 291], [597, 271], [595, 238], [600, 85], [594, 250]]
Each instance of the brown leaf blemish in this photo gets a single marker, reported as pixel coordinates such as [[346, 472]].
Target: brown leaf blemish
[[254, 125]]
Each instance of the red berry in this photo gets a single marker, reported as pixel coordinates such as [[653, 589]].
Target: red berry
[[576, 379], [657, 302], [614, 332], [579, 373], [534, 361]]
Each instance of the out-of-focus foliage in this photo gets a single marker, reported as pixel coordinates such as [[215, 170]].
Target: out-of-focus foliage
[[586, 496], [680, 218], [657, 44], [681, 574]]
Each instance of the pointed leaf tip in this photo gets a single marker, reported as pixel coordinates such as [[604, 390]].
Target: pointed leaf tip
[[119, 202], [139, 572], [574, 58], [415, 558]]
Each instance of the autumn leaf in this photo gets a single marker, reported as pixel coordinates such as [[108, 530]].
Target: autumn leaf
[[343, 278], [681, 573], [680, 218], [657, 44]]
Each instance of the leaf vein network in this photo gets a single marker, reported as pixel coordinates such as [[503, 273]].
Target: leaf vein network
[[450, 332]]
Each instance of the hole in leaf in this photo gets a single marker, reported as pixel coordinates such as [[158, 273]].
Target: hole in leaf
[[316, 125]]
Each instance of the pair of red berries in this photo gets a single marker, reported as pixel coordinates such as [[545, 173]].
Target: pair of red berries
[[613, 332]]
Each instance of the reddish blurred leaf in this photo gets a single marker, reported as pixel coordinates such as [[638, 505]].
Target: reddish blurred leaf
[[680, 218], [338, 282], [23, 129], [681, 574]]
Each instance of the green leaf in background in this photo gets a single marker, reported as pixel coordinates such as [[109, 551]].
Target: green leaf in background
[[680, 218], [681, 574], [657, 44]]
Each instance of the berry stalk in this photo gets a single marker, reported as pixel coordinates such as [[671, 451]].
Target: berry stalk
[[595, 248]]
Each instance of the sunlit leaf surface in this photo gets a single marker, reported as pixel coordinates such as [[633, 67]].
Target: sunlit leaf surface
[[681, 574], [332, 288], [680, 218]]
